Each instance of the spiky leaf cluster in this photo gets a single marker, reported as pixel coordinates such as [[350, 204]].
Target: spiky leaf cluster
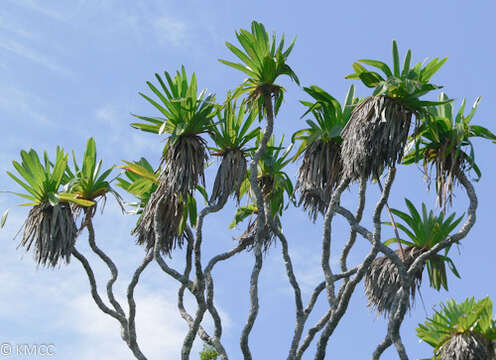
[[464, 330], [50, 223], [263, 60], [187, 116], [88, 182], [425, 230], [275, 185], [443, 142], [232, 135], [320, 145], [377, 132], [405, 84], [142, 181]]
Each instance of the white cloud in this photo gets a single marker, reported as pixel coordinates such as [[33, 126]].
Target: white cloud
[[7, 23], [33, 56], [172, 31], [119, 135], [43, 10], [160, 330], [15, 101], [44, 304]]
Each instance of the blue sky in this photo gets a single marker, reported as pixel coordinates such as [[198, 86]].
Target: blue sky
[[71, 70]]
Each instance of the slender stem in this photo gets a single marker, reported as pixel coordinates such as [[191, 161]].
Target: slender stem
[[110, 264], [326, 241], [253, 311], [180, 296], [344, 299], [311, 334], [199, 236], [381, 348], [200, 280], [94, 291], [300, 314], [101, 305], [133, 344], [160, 261], [358, 218], [396, 232], [210, 286]]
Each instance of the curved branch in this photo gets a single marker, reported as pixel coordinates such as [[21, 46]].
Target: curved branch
[[210, 286], [160, 261], [300, 314], [357, 218], [311, 334], [343, 302], [184, 314], [132, 305], [396, 319], [326, 241], [110, 264], [381, 348], [199, 236], [462, 233], [94, 291]]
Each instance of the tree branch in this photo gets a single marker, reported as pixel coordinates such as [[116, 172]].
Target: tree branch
[[253, 312], [110, 264], [132, 306], [356, 219], [342, 306], [326, 241]]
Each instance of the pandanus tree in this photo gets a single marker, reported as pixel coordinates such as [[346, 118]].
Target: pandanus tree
[[376, 134], [461, 331], [424, 231], [140, 180], [232, 135], [356, 140], [321, 168], [277, 190], [264, 61], [187, 115], [50, 225], [443, 142]]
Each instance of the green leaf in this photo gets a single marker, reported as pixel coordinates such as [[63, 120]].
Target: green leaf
[[192, 210], [395, 241], [89, 159], [370, 79], [396, 59], [240, 67], [378, 64], [72, 198], [203, 193], [54, 200], [4, 218], [406, 63]]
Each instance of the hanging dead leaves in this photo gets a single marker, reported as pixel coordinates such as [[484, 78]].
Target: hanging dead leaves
[[375, 137]]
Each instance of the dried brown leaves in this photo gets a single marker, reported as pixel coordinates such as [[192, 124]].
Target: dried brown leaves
[[52, 230], [382, 281], [374, 137]]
